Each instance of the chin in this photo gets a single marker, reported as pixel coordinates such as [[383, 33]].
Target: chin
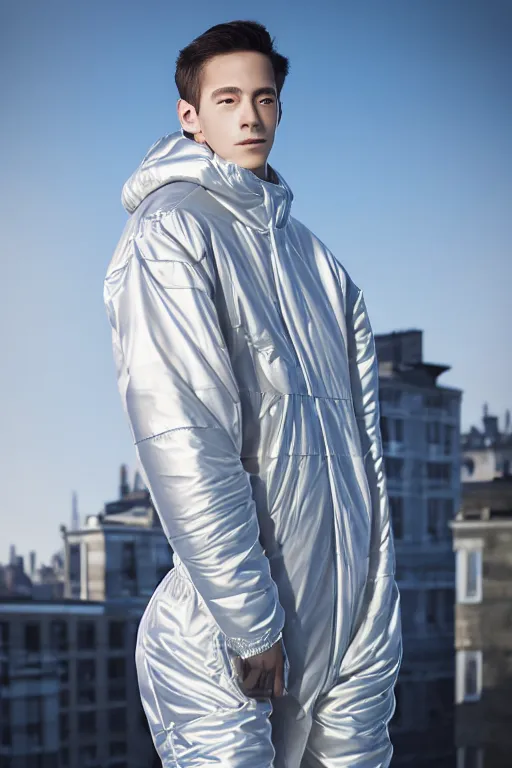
[[253, 163]]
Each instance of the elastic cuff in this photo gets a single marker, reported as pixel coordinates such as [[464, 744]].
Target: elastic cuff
[[246, 648]]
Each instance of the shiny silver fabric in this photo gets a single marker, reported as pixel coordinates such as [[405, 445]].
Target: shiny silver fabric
[[246, 365]]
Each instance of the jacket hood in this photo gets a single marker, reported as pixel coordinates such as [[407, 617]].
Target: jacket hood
[[259, 204]]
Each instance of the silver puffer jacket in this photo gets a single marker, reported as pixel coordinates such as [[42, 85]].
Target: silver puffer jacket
[[246, 366]]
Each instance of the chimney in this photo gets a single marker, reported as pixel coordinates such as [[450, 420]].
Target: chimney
[[507, 422], [75, 516], [491, 429], [124, 488], [138, 485]]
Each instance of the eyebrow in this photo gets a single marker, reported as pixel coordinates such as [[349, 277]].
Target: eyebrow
[[238, 91]]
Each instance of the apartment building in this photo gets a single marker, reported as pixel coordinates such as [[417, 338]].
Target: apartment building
[[482, 536], [420, 425], [69, 696], [68, 692]]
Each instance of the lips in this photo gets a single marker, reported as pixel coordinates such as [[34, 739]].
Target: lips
[[251, 141]]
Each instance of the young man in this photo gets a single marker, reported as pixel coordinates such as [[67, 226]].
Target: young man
[[246, 365]]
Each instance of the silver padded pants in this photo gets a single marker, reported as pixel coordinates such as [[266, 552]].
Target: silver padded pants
[[199, 716]]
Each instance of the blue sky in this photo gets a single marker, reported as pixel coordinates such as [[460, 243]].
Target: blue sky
[[396, 139]]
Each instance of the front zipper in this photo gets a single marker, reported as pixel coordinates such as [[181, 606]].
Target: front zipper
[[333, 653]]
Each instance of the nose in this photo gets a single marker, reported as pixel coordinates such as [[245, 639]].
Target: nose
[[249, 116]]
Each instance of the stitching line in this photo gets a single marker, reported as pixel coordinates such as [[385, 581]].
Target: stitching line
[[168, 431]]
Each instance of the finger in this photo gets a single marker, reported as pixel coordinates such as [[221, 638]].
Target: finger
[[252, 680], [278, 678], [264, 689]]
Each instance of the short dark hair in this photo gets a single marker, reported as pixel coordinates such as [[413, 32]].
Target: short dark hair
[[225, 38]]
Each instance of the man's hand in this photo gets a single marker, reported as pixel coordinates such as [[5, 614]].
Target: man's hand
[[261, 676]]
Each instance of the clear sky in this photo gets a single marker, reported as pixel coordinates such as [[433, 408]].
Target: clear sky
[[396, 140]]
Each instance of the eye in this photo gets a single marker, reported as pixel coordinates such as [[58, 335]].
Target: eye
[[267, 100], [225, 101]]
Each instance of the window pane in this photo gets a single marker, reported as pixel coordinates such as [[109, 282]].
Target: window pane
[[394, 468], [87, 756], [4, 636], [471, 677], [433, 432], [116, 668], [86, 723], [33, 709], [63, 671], [409, 604], [472, 572], [433, 518], [64, 698], [32, 638], [85, 672], [117, 720], [396, 506], [74, 569], [59, 636], [86, 635], [128, 568], [117, 748], [431, 608], [397, 717], [116, 632], [5, 735], [448, 608], [448, 439], [64, 726], [86, 676]]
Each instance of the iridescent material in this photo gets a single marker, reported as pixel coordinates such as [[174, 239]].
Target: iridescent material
[[246, 365]]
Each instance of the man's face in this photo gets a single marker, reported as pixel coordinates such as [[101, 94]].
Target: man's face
[[238, 103]]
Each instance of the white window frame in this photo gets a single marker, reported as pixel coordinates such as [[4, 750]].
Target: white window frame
[[463, 659], [461, 757], [463, 547]]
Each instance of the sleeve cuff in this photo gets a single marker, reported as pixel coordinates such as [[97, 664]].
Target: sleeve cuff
[[246, 648]]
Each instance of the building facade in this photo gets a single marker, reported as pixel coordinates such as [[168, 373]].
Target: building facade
[[68, 694], [420, 425], [121, 553], [482, 535], [487, 452]]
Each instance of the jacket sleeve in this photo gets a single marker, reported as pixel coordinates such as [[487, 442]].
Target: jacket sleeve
[[364, 380], [182, 402]]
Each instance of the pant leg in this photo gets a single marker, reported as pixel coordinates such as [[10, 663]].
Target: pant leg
[[290, 731], [197, 713], [350, 721]]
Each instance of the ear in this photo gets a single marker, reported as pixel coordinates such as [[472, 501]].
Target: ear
[[188, 117]]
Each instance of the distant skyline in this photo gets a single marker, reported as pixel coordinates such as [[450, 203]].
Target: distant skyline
[[396, 140]]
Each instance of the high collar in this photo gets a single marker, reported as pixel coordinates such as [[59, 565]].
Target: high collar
[[259, 204]]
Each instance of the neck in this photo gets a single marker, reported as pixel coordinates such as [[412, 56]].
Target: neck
[[264, 173]]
